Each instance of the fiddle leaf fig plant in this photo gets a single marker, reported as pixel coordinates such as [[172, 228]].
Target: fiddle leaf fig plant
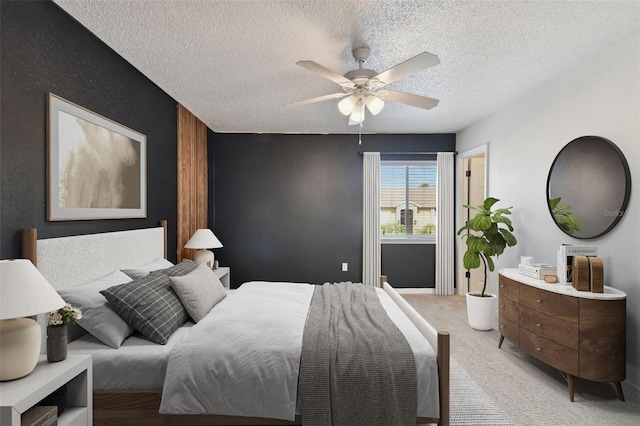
[[492, 233], [563, 216]]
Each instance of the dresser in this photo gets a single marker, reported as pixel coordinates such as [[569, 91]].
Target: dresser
[[580, 333]]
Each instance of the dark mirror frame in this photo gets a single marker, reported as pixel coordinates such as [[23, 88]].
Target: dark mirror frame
[[567, 150]]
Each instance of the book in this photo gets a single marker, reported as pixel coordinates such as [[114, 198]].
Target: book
[[537, 270], [40, 415], [547, 268], [565, 260]]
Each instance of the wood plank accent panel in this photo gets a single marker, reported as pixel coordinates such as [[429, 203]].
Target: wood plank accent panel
[[192, 179]]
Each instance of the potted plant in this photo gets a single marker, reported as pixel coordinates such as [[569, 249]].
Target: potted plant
[[492, 233], [57, 322]]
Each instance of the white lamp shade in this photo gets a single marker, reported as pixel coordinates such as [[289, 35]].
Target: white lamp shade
[[203, 239], [357, 115], [346, 105], [374, 104], [24, 291]]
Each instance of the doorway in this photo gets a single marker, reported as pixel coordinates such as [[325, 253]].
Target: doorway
[[472, 166]]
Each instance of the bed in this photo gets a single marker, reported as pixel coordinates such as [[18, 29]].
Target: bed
[[68, 262]]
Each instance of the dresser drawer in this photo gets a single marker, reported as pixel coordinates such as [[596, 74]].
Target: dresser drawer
[[509, 289], [509, 309], [510, 330], [551, 328], [554, 304], [553, 354]]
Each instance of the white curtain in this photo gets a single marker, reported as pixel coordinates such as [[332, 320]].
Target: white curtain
[[445, 233], [371, 219]]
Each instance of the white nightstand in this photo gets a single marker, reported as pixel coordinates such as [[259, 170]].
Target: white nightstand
[[224, 274], [17, 396]]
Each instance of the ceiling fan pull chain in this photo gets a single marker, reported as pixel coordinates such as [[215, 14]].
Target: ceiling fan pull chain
[[360, 134]]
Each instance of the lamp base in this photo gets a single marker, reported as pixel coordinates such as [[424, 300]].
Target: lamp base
[[19, 347], [204, 256]]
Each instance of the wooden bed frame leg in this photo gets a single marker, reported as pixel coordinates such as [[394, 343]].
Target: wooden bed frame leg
[[444, 374]]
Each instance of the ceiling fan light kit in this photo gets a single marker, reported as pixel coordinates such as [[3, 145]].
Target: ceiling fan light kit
[[357, 115], [374, 104], [347, 104], [361, 86]]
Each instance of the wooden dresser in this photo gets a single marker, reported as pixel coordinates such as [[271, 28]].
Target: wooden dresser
[[580, 333]]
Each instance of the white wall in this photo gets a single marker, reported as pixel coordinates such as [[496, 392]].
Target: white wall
[[601, 98]]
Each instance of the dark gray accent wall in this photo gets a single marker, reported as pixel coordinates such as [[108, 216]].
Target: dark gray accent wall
[[409, 265], [45, 50], [289, 207]]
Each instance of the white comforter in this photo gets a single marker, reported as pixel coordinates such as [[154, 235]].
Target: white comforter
[[243, 358]]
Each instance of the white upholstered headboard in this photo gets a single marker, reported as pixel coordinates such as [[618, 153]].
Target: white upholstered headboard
[[70, 261]]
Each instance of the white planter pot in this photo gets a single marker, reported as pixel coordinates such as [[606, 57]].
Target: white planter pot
[[481, 310]]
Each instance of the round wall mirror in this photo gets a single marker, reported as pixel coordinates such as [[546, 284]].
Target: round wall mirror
[[588, 187]]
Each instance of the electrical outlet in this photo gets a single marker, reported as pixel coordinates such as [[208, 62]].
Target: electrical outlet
[[345, 267]]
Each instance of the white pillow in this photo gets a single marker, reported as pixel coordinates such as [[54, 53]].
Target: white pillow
[[97, 316], [143, 270], [199, 291]]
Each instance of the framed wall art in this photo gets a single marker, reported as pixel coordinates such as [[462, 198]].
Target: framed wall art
[[96, 168]]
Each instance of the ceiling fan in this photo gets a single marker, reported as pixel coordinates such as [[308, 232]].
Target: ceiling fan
[[362, 87]]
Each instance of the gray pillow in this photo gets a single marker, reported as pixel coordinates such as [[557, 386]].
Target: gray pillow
[[97, 316], [143, 270], [199, 291], [182, 268], [150, 305]]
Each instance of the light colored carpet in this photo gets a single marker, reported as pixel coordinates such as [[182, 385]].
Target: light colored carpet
[[528, 391], [470, 405]]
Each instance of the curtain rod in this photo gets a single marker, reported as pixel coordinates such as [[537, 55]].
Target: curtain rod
[[410, 152]]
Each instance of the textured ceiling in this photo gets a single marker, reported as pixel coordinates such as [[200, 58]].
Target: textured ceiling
[[232, 63]]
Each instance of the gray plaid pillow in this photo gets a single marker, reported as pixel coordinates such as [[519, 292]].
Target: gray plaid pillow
[[150, 305], [182, 268]]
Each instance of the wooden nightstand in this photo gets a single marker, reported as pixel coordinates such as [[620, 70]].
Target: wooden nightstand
[[224, 274], [17, 396]]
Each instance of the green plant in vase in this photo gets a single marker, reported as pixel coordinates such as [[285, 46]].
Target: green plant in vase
[[492, 233]]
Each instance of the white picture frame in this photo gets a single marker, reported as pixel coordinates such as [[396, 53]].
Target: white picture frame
[[96, 168]]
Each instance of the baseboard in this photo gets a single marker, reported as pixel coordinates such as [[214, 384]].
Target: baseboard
[[415, 290]]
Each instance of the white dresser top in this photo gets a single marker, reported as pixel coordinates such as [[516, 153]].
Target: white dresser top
[[610, 293]]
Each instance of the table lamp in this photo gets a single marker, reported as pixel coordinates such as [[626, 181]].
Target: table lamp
[[24, 292], [203, 239]]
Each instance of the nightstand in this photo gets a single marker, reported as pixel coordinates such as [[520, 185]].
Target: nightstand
[[17, 396], [224, 274]]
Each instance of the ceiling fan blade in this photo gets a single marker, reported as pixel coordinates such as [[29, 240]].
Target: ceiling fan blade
[[410, 99], [318, 99], [405, 69], [326, 73]]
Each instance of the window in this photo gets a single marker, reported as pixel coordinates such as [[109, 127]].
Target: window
[[408, 199]]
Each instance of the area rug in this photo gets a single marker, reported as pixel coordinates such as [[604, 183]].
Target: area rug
[[470, 405]]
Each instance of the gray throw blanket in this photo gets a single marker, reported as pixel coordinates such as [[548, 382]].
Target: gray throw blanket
[[356, 367]]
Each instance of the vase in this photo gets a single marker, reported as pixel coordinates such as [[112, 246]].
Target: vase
[[481, 310], [56, 343]]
